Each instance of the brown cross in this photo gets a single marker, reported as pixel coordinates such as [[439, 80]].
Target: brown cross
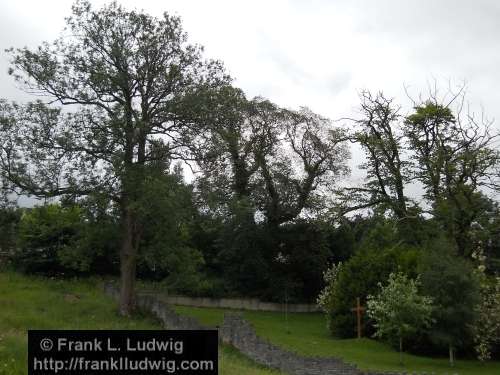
[[359, 311]]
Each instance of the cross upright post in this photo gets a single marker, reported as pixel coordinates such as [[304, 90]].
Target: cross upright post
[[359, 311]]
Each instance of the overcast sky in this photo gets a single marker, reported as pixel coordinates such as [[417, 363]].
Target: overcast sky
[[314, 53]]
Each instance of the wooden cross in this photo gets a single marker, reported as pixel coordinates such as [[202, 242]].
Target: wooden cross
[[359, 311]]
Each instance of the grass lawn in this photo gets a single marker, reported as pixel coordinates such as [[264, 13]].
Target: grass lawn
[[37, 303], [308, 336]]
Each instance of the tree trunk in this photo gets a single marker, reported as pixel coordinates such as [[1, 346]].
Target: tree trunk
[[401, 351], [128, 262], [452, 357], [132, 180]]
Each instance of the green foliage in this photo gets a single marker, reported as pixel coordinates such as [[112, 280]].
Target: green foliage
[[341, 241], [125, 74], [245, 257], [9, 223], [69, 237], [450, 281], [358, 277], [399, 311], [326, 299], [466, 217], [166, 213], [99, 237], [307, 250], [46, 236], [452, 159], [431, 114], [486, 328]]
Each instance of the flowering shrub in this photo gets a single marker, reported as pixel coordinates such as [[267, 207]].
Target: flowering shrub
[[326, 296], [487, 326], [398, 310]]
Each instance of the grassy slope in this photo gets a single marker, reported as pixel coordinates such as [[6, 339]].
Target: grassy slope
[[308, 336], [35, 303]]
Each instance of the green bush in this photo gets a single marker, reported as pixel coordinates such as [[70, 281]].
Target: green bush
[[452, 284], [44, 237], [9, 223], [305, 245], [167, 250], [358, 277], [66, 238]]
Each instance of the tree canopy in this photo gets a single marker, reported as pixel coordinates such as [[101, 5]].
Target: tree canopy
[[122, 74]]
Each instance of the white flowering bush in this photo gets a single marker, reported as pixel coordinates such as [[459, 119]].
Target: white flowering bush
[[399, 311], [486, 329], [325, 298]]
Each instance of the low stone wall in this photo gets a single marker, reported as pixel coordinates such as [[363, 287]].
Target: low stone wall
[[169, 318], [237, 304], [239, 333]]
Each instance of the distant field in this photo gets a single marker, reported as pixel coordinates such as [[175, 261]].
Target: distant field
[[308, 336], [36, 303]]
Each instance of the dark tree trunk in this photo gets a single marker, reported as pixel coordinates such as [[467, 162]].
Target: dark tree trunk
[[128, 263]]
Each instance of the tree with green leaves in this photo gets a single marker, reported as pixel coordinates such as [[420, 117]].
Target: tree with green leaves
[[226, 143], [46, 240], [120, 76], [166, 206], [307, 160], [399, 310], [455, 159], [260, 160], [452, 156], [451, 283], [269, 159]]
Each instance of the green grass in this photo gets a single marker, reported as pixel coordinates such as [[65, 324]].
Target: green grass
[[308, 336], [37, 303]]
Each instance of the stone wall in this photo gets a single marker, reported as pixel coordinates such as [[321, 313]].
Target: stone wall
[[237, 304], [161, 310], [239, 333]]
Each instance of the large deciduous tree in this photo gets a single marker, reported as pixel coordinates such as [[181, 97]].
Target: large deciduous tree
[[273, 159], [225, 146], [452, 156], [308, 155], [455, 159], [121, 75], [262, 166], [379, 136]]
